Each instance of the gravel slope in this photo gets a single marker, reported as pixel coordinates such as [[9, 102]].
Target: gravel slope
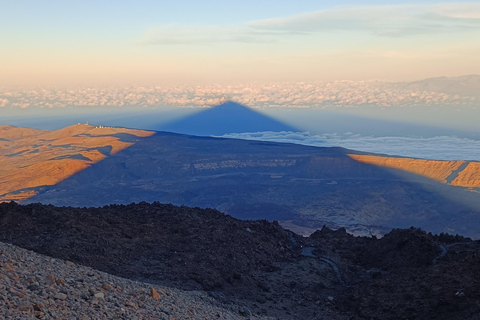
[[34, 286]]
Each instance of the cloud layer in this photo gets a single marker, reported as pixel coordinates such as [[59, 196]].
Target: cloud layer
[[448, 91], [436, 148]]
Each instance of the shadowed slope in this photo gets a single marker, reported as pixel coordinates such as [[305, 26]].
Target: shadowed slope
[[274, 181], [229, 117], [93, 166]]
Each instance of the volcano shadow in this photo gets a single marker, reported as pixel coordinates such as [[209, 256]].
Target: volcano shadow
[[229, 117], [267, 180]]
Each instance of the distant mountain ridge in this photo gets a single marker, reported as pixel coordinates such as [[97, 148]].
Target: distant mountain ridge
[[463, 85]]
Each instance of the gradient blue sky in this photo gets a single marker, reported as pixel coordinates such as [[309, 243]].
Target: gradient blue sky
[[130, 42]]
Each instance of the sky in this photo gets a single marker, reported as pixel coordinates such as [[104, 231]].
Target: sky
[[342, 72], [58, 42]]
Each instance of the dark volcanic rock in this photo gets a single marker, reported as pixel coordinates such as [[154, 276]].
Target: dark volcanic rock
[[408, 274], [189, 248]]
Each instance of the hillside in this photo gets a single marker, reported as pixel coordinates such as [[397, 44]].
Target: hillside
[[456, 173], [298, 185], [31, 158], [258, 265]]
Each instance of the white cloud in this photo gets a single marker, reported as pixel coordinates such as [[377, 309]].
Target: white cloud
[[437, 148], [387, 20], [459, 11], [196, 34]]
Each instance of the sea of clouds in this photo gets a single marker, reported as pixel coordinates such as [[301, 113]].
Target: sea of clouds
[[437, 148]]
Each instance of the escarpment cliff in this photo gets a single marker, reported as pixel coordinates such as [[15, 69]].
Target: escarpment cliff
[[433, 169]]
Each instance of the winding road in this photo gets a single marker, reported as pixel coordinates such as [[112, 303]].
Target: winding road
[[308, 252]]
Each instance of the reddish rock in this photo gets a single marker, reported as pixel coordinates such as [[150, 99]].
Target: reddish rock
[[154, 294]]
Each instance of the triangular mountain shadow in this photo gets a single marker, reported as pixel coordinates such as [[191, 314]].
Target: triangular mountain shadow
[[309, 186], [229, 117]]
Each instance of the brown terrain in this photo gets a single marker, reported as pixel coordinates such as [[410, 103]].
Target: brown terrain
[[31, 158], [468, 177], [257, 265], [457, 173]]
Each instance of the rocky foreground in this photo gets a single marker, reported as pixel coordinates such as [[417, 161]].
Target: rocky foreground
[[34, 286], [235, 268]]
